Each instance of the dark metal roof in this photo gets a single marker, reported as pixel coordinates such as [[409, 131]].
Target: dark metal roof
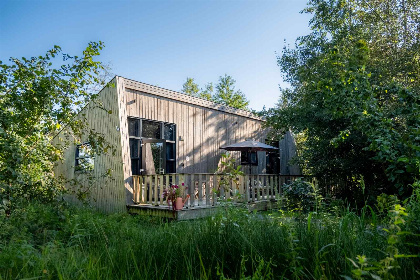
[[250, 146]]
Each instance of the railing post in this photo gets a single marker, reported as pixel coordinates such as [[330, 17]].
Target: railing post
[[142, 187], [247, 188], [271, 187], [166, 183], [214, 189], [207, 186], [173, 179], [135, 189], [192, 189], [221, 189], [279, 188], [200, 189], [241, 188], [264, 187], [160, 190], [258, 188], [186, 188], [155, 190], [253, 187]]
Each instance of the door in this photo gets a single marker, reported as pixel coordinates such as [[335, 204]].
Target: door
[[153, 156]]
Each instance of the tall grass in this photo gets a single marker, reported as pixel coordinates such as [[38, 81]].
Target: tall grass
[[60, 242]]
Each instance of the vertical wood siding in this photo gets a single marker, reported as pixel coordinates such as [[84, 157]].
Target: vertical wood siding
[[107, 193], [203, 130]]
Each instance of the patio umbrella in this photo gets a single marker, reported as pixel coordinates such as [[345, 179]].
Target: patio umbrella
[[250, 146]]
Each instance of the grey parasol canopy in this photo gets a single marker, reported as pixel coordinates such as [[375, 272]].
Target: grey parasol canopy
[[249, 146]]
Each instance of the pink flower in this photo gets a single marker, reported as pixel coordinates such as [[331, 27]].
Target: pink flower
[[182, 184]]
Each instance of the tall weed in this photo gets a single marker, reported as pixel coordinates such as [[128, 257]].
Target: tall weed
[[60, 242]]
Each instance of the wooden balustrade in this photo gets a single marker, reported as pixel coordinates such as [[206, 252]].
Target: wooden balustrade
[[208, 189]]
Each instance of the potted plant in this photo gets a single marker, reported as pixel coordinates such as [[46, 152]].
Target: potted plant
[[174, 195]]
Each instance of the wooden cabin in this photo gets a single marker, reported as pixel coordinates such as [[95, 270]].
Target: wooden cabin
[[159, 136]]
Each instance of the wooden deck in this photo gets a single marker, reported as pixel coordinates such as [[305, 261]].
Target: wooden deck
[[207, 192]]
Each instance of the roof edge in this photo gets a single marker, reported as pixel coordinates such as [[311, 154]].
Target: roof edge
[[174, 95]]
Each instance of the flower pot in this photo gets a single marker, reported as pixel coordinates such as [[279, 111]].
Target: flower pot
[[179, 204]]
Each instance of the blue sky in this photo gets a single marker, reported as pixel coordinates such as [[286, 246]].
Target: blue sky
[[163, 42]]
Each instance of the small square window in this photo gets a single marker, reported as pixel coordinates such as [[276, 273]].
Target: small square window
[[84, 157]]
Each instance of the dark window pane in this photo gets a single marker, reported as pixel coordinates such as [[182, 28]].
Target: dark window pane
[[133, 127], [244, 158], [273, 158], [253, 159], [169, 132], [135, 166], [134, 148], [249, 158], [170, 150], [273, 163], [170, 167], [150, 129]]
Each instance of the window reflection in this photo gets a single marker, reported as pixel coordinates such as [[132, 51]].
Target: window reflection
[[150, 129], [84, 157]]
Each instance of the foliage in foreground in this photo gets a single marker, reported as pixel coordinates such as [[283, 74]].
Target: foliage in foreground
[[355, 94], [38, 97], [56, 242]]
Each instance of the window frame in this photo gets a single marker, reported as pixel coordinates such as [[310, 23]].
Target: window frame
[[248, 157], [78, 167], [168, 161], [273, 157]]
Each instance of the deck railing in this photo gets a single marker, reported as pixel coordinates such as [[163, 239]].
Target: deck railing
[[207, 189]]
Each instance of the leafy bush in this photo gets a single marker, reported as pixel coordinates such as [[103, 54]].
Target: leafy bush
[[231, 173], [385, 203], [354, 95], [38, 97], [301, 195], [413, 208]]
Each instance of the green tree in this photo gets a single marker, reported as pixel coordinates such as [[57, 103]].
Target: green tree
[[226, 94], [355, 92], [207, 92], [190, 87], [38, 96]]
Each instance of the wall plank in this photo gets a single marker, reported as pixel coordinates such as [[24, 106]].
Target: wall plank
[[203, 129], [106, 193]]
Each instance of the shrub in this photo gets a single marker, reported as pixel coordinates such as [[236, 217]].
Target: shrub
[[301, 195], [385, 203]]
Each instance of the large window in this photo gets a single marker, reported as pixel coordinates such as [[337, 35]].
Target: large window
[[149, 138]]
